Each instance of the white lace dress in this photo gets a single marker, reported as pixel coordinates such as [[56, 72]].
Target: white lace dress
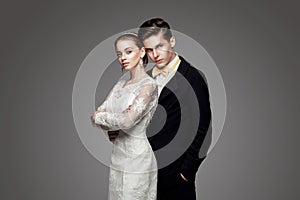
[[133, 168]]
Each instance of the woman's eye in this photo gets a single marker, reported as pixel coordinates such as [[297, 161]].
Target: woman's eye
[[128, 52]]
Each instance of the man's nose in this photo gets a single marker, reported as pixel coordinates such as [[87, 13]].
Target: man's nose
[[155, 55]]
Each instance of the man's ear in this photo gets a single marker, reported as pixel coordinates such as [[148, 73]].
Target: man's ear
[[172, 41]]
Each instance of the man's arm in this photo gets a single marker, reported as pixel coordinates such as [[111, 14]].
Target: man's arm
[[112, 135], [192, 161]]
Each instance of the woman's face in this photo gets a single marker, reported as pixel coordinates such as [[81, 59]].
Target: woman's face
[[128, 54]]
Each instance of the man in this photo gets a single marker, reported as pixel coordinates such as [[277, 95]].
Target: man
[[176, 180]]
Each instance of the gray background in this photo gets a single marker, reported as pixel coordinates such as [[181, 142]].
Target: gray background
[[255, 44]]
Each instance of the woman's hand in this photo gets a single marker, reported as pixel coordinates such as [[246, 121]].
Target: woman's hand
[[93, 118], [127, 109], [94, 115]]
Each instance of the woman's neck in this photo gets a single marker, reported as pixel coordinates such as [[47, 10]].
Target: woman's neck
[[137, 73]]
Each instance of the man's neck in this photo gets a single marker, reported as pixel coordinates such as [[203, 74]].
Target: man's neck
[[171, 60]]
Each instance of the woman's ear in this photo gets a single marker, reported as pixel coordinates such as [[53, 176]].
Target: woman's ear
[[143, 52]]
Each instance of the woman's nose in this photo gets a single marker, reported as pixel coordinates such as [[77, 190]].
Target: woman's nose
[[123, 57]]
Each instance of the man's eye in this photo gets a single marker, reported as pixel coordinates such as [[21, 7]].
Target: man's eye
[[148, 50], [160, 46]]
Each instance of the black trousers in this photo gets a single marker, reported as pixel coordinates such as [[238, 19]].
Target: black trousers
[[176, 189]]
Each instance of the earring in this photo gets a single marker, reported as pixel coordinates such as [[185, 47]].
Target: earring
[[141, 62]]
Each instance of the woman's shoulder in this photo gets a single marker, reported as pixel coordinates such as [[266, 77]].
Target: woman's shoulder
[[118, 84], [148, 79], [149, 85]]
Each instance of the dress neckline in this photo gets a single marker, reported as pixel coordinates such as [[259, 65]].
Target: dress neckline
[[124, 86]]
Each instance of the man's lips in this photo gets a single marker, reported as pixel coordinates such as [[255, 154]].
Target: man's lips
[[159, 61]]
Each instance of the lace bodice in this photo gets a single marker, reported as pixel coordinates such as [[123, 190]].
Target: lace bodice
[[126, 105]]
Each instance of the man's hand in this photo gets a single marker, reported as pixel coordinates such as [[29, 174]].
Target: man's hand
[[112, 135], [185, 179]]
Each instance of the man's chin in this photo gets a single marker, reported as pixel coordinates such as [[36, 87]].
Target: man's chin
[[160, 65]]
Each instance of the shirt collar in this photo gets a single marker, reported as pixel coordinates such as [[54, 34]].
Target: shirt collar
[[171, 66]]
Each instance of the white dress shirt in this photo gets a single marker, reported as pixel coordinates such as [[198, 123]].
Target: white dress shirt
[[162, 80]]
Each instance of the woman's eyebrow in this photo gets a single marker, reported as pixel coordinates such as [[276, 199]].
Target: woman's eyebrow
[[128, 48]]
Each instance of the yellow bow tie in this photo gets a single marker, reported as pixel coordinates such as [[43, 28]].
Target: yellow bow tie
[[166, 70], [156, 72]]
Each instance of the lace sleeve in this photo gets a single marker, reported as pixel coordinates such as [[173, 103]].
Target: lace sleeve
[[145, 99], [102, 107]]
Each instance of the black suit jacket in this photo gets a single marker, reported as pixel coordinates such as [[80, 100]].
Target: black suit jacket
[[178, 99]]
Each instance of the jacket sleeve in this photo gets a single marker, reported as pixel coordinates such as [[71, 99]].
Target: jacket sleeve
[[192, 161]]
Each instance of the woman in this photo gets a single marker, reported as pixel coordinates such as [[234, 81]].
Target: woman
[[129, 108]]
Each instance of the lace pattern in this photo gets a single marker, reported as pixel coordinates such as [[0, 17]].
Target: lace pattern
[[146, 96]]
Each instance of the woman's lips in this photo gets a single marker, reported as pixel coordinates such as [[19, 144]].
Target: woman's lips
[[125, 64]]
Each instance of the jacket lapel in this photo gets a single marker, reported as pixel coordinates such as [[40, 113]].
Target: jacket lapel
[[174, 83]]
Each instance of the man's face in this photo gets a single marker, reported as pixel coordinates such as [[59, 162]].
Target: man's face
[[160, 50]]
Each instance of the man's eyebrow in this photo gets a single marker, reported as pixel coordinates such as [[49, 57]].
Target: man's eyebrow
[[154, 47], [159, 44]]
